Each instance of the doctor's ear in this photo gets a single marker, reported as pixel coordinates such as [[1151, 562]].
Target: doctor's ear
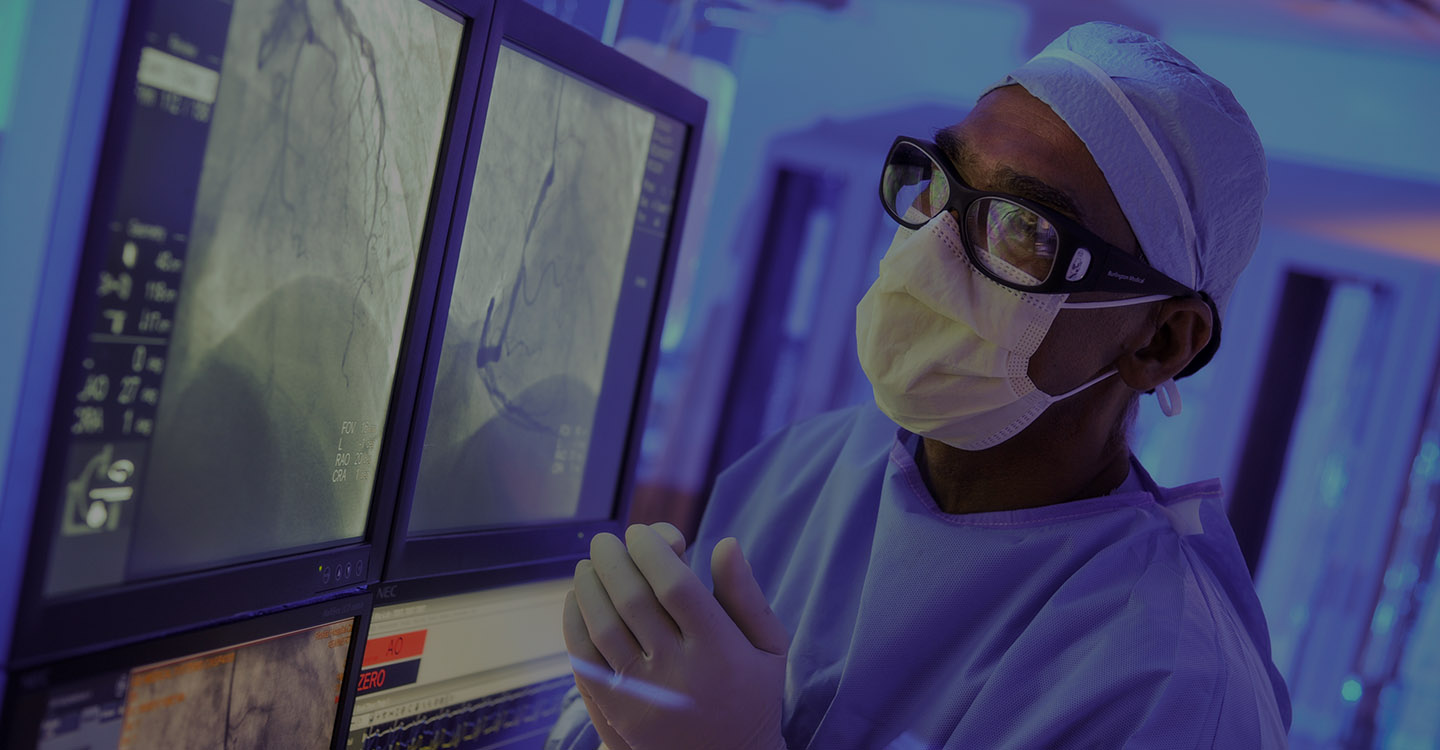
[[1176, 332]]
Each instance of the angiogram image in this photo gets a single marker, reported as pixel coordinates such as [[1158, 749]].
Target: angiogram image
[[308, 223], [539, 277]]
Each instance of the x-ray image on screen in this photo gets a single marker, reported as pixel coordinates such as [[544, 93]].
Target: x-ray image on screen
[[280, 692], [307, 226], [539, 276]]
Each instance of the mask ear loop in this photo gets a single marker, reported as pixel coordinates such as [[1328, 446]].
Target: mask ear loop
[[1168, 394]]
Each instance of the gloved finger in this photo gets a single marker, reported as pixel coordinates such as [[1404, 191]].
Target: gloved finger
[[741, 596], [585, 660], [630, 592], [674, 538], [577, 636], [607, 631], [608, 736], [594, 678], [605, 686], [677, 587]]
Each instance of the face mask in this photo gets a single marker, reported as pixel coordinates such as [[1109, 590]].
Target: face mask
[[947, 350]]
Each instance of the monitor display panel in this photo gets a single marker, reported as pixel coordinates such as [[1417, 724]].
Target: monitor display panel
[[276, 681], [472, 671], [257, 243], [554, 293]]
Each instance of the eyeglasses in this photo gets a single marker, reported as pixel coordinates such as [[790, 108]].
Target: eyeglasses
[[1018, 243]]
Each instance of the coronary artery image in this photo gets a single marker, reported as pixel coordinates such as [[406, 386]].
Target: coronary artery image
[[540, 274], [307, 228]]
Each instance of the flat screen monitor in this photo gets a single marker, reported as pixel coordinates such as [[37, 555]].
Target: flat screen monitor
[[274, 681], [570, 178], [547, 317], [476, 671], [260, 219]]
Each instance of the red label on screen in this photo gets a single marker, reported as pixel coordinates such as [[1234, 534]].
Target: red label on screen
[[392, 647]]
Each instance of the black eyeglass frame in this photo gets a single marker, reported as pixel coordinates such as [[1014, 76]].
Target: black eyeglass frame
[[1110, 269]]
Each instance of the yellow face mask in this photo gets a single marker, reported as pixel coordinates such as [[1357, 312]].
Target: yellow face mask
[[947, 351]]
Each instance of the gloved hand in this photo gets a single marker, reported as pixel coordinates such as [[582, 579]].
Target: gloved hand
[[661, 663], [608, 739]]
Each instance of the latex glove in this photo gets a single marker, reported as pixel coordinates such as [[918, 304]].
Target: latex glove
[[608, 739], [666, 664]]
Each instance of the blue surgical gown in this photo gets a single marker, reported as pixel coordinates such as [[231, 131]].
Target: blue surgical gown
[[1127, 620]]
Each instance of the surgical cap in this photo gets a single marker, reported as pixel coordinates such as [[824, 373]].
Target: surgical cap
[[1179, 153]]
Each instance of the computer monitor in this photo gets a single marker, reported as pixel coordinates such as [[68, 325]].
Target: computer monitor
[[258, 252], [283, 680], [547, 321], [477, 670]]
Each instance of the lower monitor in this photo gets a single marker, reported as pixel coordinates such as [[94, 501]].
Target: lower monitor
[[471, 672], [270, 682]]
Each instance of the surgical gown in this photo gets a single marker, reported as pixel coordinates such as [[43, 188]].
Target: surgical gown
[[1127, 620]]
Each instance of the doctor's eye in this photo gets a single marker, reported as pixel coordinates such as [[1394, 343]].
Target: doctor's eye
[[1014, 238]]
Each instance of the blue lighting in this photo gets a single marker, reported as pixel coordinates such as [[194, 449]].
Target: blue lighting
[[1425, 460], [1351, 690], [1333, 479], [1383, 620], [1402, 576]]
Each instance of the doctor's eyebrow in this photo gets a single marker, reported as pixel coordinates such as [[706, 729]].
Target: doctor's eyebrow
[[1006, 179]]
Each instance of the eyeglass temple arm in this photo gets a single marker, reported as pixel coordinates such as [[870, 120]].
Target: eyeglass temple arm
[[1125, 275]]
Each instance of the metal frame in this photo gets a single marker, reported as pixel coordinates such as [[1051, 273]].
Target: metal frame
[[1387, 436], [67, 109]]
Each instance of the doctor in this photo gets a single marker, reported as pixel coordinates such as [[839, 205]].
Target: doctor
[[976, 560]]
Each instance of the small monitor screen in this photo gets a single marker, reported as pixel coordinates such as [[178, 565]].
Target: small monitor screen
[[475, 671], [555, 283], [270, 188], [282, 691]]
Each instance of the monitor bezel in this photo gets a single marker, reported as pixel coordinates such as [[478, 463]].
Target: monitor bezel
[[474, 555], [49, 628], [408, 590], [34, 682]]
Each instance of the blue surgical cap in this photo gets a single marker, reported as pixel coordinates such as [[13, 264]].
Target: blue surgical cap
[[1179, 153]]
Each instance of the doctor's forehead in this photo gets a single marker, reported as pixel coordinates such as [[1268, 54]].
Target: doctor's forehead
[[1013, 143], [990, 175]]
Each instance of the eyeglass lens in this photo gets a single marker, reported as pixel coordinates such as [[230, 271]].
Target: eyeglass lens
[[914, 187], [1011, 240]]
